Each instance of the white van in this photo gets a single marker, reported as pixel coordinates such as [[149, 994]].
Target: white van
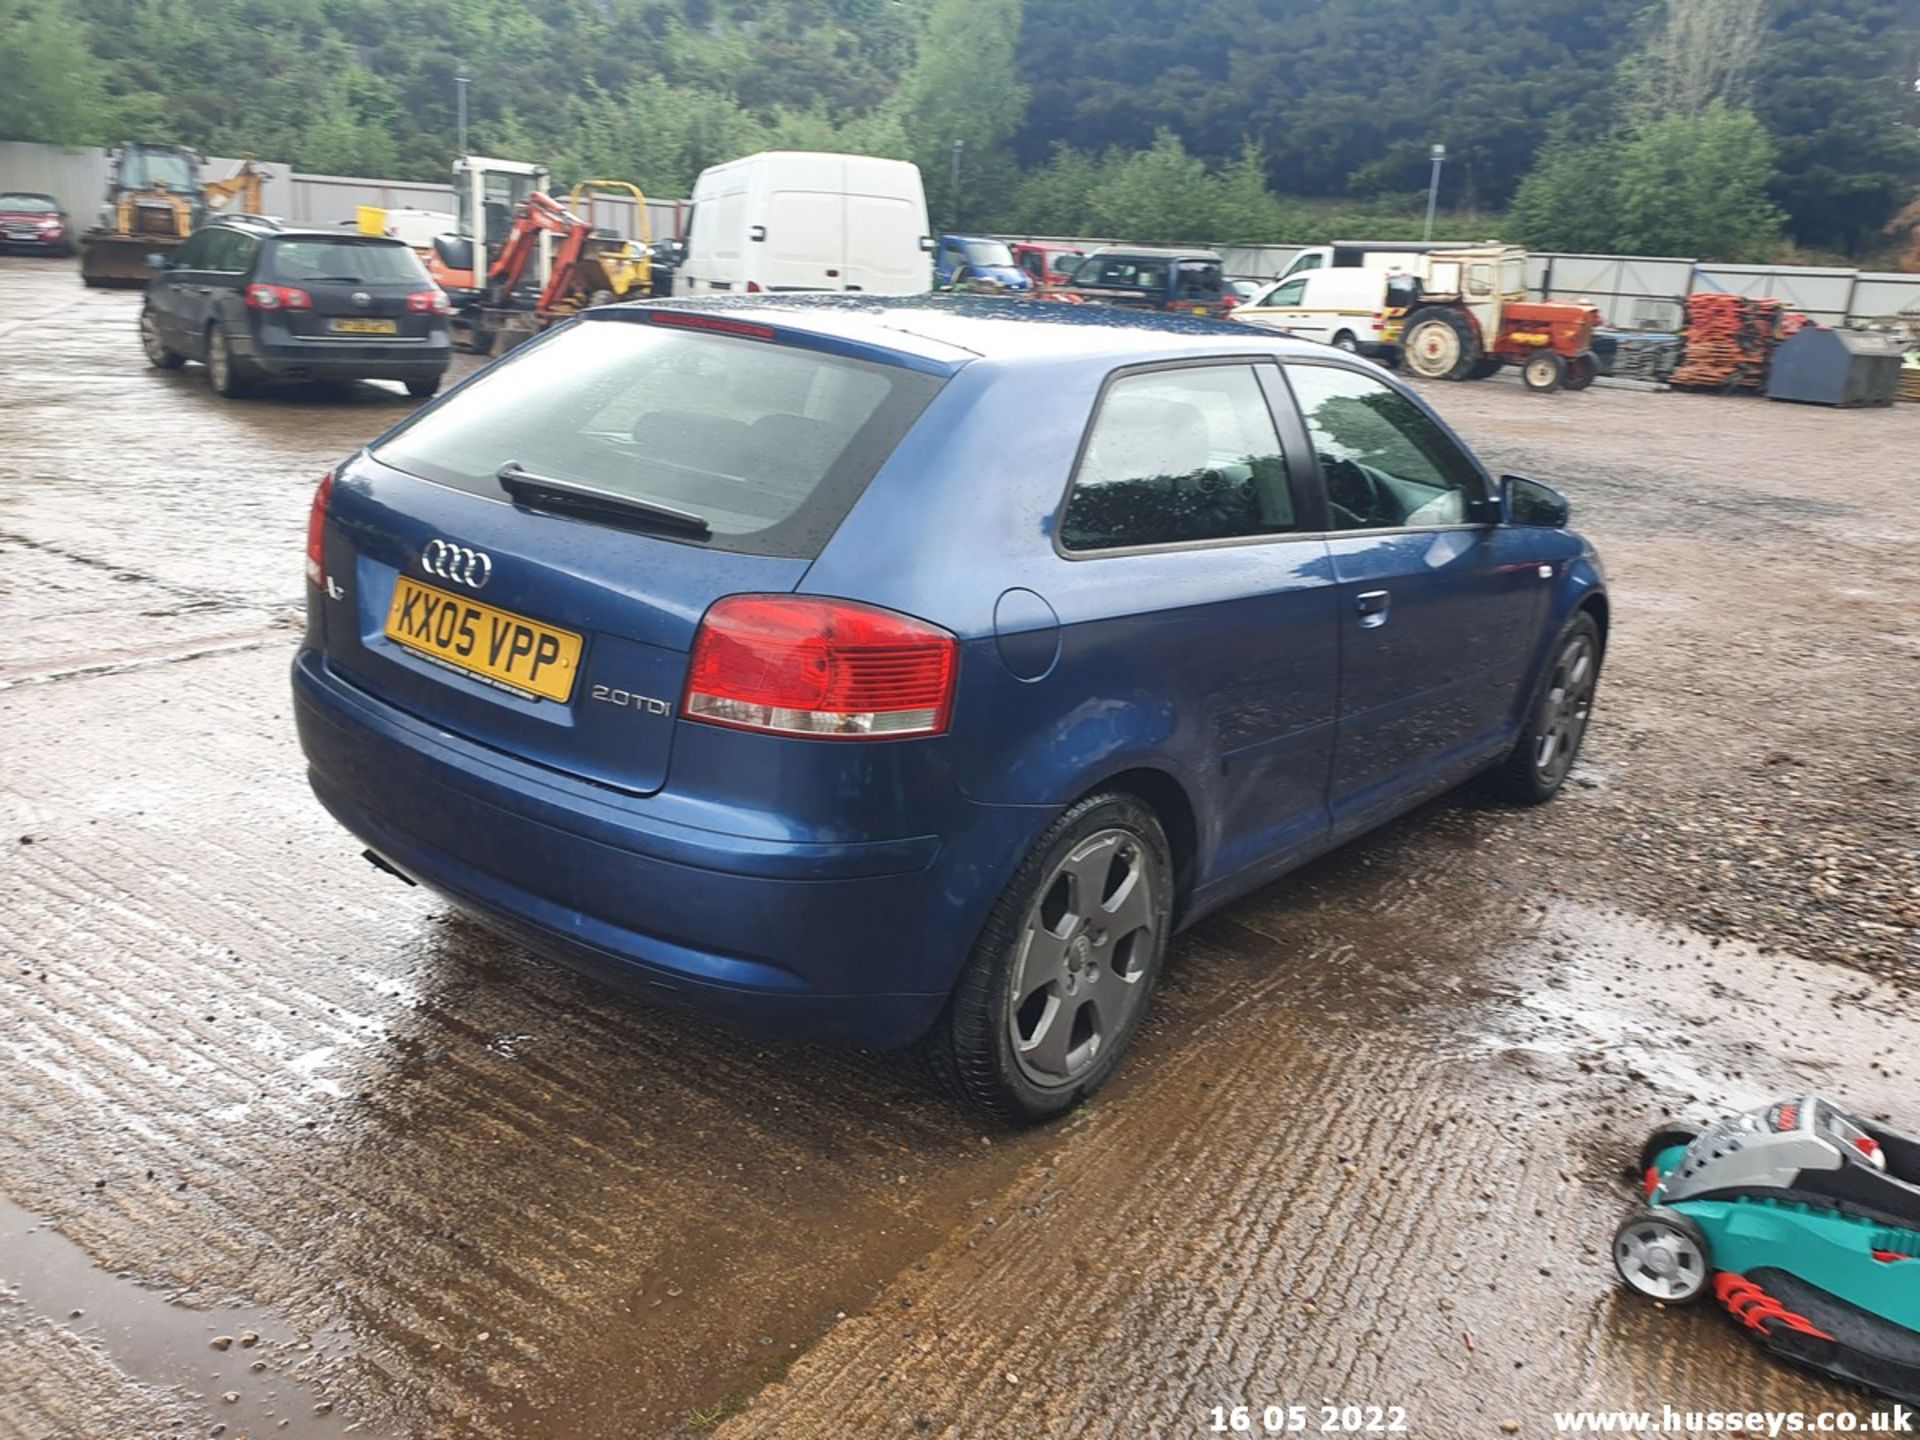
[[1347, 308], [800, 220]]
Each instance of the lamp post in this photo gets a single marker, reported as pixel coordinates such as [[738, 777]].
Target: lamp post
[[460, 92], [953, 181], [1439, 156]]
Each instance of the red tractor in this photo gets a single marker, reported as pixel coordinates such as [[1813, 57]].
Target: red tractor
[[1470, 315]]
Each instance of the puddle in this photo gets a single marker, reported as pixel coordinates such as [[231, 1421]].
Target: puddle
[[263, 1364]]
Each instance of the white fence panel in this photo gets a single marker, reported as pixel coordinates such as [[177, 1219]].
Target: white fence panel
[[1633, 292], [1879, 296], [1816, 293]]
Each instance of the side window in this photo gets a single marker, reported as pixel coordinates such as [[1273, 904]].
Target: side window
[[1179, 455], [1199, 278], [192, 255], [1306, 263], [1291, 293], [1386, 462], [1480, 279], [223, 248], [239, 259]]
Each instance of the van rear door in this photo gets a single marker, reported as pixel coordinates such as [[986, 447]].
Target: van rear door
[[883, 246]]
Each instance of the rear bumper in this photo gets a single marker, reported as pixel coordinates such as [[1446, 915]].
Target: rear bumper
[[853, 943], [345, 359]]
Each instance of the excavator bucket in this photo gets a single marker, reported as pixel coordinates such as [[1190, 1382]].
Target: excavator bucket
[[119, 262]]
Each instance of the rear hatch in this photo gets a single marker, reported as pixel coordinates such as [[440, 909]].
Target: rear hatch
[[360, 288], [652, 467]]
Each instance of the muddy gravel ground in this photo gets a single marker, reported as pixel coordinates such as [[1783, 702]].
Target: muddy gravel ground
[[287, 1148]]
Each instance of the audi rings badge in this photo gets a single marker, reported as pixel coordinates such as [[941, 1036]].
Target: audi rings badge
[[458, 563]]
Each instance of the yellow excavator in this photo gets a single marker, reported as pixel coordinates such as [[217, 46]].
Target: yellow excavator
[[612, 268], [155, 199]]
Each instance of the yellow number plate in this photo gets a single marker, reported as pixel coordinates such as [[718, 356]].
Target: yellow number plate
[[496, 645], [366, 327]]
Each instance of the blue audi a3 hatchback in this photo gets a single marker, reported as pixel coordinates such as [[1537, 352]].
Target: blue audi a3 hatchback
[[908, 671]]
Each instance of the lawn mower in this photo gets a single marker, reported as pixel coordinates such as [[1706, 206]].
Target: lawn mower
[[1805, 1223]]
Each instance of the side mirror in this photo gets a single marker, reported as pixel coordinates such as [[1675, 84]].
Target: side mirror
[[157, 261], [1528, 502], [757, 232], [926, 244]]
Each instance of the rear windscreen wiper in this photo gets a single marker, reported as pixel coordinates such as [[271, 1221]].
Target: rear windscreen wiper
[[544, 492]]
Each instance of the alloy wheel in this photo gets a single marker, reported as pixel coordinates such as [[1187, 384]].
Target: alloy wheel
[[1565, 709], [1084, 958]]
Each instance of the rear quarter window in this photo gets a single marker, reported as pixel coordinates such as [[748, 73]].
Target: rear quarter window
[[770, 444]]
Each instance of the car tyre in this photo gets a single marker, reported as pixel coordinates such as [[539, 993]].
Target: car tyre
[[159, 354], [1440, 344], [1345, 341], [1557, 717], [425, 389], [1064, 968], [226, 372]]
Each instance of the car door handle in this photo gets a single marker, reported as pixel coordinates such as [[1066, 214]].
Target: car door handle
[[1372, 606]]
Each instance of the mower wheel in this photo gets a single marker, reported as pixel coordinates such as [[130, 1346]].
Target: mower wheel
[[1580, 371], [1662, 1254], [1440, 344], [1658, 1144], [1544, 370]]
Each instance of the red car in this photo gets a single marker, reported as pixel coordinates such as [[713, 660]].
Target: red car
[[1049, 265], [31, 221]]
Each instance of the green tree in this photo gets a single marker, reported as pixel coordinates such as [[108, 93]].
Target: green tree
[[965, 88], [1697, 187], [1156, 195], [1567, 200], [55, 89], [1835, 87], [1245, 211]]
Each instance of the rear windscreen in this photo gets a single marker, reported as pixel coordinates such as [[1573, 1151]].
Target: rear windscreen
[[767, 443], [355, 262]]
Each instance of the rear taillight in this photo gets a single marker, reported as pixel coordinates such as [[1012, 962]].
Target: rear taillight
[[277, 297], [316, 530], [826, 668], [753, 287], [429, 302]]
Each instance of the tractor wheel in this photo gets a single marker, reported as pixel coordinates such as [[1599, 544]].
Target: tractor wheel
[[1488, 366], [1544, 371], [601, 297], [1440, 344], [1580, 371]]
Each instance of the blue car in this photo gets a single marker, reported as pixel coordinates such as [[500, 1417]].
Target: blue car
[[908, 671], [977, 263]]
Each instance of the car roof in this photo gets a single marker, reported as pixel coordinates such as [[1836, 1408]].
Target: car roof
[[1157, 252], [952, 330], [268, 228]]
